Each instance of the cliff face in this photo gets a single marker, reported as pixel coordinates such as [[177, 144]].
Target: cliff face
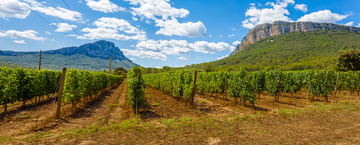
[[263, 31]]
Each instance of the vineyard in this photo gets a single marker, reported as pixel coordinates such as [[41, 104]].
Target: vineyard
[[24, 85], [156, 105], [246, 86]]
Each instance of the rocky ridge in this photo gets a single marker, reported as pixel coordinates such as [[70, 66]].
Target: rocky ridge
[[100, 49], [263, 31]]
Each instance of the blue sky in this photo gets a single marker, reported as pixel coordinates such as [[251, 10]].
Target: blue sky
[[157, 33]]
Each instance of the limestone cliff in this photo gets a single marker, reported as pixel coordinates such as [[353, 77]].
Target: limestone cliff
[[263, 31]]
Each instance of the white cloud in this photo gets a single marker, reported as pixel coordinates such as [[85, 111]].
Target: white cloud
[[301, 7], [252, 4], [323, 16], [165, 16], [135, 19], [103, 6], [144, 54], [236, 43], [231, 35], [267, 15], [173, 27], [221, 57], [109, 28], [152, 8], [14, 8], [182, 58], [55, 12], [133, 59], [220, 35], [351, 23], [159, 49], [170, 47], [47, 32], [28, 34], [19, 41], [64, 27], [210, 36], [148, 21], [210, 47], [358, 25], [178, 47]]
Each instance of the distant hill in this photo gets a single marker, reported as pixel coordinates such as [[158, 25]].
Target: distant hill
[[95, 56], [14, 65], [291, 51], [277, 28]]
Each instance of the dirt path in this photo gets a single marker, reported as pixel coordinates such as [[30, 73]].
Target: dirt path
[[99, 110], [120, 109], [26, 119]]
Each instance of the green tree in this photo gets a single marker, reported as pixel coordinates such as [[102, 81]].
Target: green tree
[[120, 71], [209, 67], [349, 60]]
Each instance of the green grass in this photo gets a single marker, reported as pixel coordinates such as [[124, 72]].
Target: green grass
[[155, 104], [4, 139], [26, 116], [168, 122], [113, 105]]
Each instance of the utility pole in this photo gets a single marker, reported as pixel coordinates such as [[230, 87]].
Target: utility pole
[[40, 61], [110, 66]]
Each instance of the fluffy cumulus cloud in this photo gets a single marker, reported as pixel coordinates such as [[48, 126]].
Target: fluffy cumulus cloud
[[236, 43], [169, 47], [151, 9], [103, 6], [173, 27], [358, 25], [222, 57], [182, 58], [144, 54], [55, 12], [165, 17], [323, 16], [19, 41], [277, 12], [113, 28], [64, 27], [301, 7], [160, 48], [14, 8], [14, 34], [351, 23]]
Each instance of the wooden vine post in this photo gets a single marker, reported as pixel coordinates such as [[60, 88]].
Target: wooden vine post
[[278, 89], [336, 85], [136, 104], [60, 93], [110, 66], [308, 94], [226, 89], [40, 61], [193, 90]]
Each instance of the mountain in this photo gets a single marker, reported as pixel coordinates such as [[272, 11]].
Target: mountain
[[291, 51], [95, 56], [277, 28]]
